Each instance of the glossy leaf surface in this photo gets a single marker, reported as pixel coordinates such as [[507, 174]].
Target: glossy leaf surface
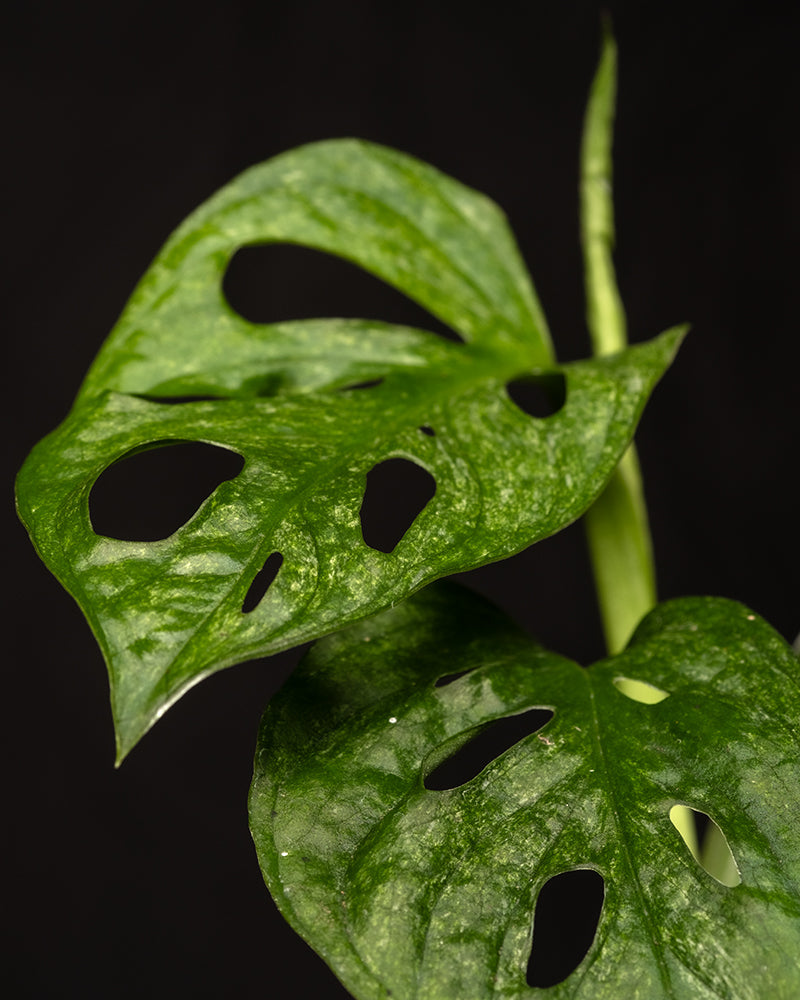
[[166, 613], [414, 893], [444, 245]]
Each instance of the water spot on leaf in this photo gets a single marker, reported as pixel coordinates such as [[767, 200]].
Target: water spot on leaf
[[397, 492], [428, 430], [367, 384], [262, 581], [538, 395], [565, 924], [150, 493], [641, 691], [275, 282], [490, 742], [707, 843]]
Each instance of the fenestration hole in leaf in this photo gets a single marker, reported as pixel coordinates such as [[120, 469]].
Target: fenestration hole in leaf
[[150, 493], [489, 743], [176, 400], [564, 926], [641, 691], [275, 282], [538, 395], [371, 383], [446, 679], [397, 492], [707, 843], [429, 431], [262, 581]]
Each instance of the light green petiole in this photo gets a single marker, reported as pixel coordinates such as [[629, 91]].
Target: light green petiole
[[616, 525], [617, 528]]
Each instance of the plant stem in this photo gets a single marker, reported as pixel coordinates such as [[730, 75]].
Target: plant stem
[[616, 525], [619, 546], [617, 528]]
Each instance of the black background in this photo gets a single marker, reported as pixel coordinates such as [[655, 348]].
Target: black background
[[119, 120]]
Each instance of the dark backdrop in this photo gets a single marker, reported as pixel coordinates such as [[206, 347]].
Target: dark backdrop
[[119, 120]]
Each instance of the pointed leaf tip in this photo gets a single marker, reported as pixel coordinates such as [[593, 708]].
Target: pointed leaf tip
[[168, 612]]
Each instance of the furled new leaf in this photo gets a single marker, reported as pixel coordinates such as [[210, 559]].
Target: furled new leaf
[[168, 612], [416, 893]]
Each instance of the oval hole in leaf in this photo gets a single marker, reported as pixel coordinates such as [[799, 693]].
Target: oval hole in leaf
[[707, 843], [397, 492], [489, 743], [641, 691], [150, 493], [262, 581], [565, 924], [538, 395], [275, 282], [428, 430]]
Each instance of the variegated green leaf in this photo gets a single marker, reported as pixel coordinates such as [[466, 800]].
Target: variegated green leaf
[[429, 894]]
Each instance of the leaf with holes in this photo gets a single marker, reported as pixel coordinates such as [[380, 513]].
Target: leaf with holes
[[314, 407], [412, 888], [442, 244]]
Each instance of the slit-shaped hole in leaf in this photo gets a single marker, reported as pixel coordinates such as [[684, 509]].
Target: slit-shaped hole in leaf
[[538, 395], [489, 742], [707, 844], [366, 384], [565, 923], [176, 400], [428, 430], [641, 691], [446, 679], [262, 581], [274, 282], [151, 492], [397, 492]]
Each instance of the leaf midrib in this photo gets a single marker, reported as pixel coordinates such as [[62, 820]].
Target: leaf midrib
[[622, 838]]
